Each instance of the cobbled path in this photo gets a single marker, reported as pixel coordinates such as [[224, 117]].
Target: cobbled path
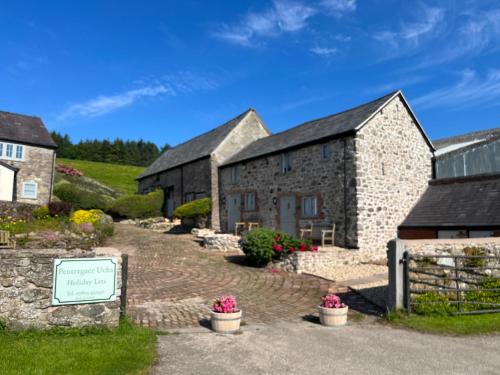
[[172, 282]]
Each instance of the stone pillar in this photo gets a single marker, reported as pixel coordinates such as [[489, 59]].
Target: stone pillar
[[395, 291], [214, 180]]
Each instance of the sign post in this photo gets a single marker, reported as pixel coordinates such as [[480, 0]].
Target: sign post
[[84, 280]]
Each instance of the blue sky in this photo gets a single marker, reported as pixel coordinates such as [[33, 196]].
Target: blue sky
[[168, 70]]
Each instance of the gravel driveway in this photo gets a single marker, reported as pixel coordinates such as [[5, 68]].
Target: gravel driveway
[[306, 348]]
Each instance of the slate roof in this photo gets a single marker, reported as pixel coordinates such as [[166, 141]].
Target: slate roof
[[194, 149], [24, 129], [466, 138], [463, 201], [8, 166], [334, 125]]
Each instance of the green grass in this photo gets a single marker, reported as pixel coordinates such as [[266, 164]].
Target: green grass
[[119, 177], [449, 325], [127, 350]]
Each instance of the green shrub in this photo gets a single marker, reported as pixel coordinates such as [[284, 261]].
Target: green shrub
[[258, 246], [492, 296], [79, 198], [138, 206], [41, 213], [474, 262], [194, 209], [432, 303]]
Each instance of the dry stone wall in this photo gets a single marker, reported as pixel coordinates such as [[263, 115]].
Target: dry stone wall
[[26, 291], [452, 246]]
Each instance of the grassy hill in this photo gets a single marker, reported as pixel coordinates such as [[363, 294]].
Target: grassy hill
[[120, 178]]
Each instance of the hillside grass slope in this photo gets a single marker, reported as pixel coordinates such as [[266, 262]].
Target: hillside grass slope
[[120, 178]]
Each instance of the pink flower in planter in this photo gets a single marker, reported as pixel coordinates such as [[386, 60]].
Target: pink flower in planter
[[277, 248], [331, 301], [225, 304]]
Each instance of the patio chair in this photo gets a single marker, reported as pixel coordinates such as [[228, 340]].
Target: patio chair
[[5, 241], [237, 226], [253, 225], [328, 235], [307, 230]]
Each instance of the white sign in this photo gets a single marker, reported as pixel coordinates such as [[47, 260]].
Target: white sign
[[84, 280]]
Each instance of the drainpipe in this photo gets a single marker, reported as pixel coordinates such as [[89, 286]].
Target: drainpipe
[[52, 175], [345, 192]]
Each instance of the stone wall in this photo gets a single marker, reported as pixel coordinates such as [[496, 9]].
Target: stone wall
[[26, 291], [326, 258], [37, 166], [17, 210], [310, 176], [452, 246], [393, 167]]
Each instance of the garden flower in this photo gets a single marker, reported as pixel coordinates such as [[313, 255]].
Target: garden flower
[[332, 301], [291, 250], [314, 248], [302, 247], [225, 304], [277, 248]]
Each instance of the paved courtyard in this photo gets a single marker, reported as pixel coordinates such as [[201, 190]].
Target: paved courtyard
[[173, 281]]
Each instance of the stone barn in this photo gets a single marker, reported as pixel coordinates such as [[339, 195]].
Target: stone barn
[[362, 169], [190, 170]]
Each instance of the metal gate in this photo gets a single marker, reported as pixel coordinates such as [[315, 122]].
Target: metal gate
[[463, 284]]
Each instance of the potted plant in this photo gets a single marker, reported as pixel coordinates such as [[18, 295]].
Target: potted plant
[[332, 312], [225, 315]]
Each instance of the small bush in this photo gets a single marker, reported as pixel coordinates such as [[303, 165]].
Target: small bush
[[194, 209], [41, 213], [258, 246], [83, 216], [79, 198], [487, 296], [432, 303], [474, 262], [138, 206], [62, 209]]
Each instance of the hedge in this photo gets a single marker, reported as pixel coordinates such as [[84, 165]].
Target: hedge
[[136, 206], [79, 198], [194, 209]]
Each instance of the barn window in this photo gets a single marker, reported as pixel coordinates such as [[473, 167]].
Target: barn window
[[250, 201], [235, 174], [326, 152], [309, 206], [286, 163]]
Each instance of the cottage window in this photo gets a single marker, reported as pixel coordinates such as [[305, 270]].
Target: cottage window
[[188, 197], [309, 206], [286, 164], [30, 190], [19, 152], [326, 152], [250, 201], [1, 149], [235, 174], [8, 150]]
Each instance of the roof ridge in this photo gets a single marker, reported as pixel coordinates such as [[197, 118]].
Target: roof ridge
[[211, 130], [20, 114], [467, 134], [335, 114]]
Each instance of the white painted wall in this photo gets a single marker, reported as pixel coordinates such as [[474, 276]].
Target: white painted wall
[[6, 183]]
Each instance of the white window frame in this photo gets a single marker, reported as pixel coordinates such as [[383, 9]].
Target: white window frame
[[4, 146], [286, 163], [250, 201], [35, 184], [313, 205], [325, 151]]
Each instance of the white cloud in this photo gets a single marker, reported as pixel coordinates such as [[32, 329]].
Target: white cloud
[[103, 104], [429, 23], [283, 16], [324, 51], [169, 85], [470, 90], [339, 7]]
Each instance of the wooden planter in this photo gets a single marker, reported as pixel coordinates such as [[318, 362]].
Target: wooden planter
[[333, 317], [225, 322]]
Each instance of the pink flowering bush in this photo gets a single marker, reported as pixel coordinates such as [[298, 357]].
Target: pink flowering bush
[[225, 304], [332, 301], [70, 171]]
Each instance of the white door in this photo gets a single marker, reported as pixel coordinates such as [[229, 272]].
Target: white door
[[233, 211], [287, 215]]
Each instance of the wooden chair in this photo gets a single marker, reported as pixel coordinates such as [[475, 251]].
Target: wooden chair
[[237, 226], [308, 230], [328, 235], [5, 241], [253, 225]]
